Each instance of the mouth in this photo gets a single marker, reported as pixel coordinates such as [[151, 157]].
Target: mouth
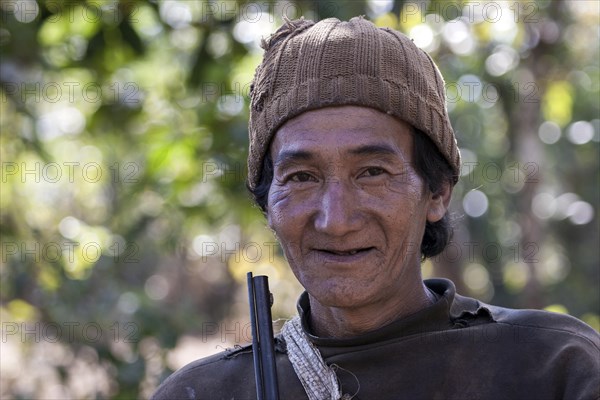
[[349, 252], [343, 256]]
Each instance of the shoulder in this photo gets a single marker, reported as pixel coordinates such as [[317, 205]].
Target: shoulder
[[547, 324], [540, 323], [556, 351], [212, 377], [543, 329], [227, 375]]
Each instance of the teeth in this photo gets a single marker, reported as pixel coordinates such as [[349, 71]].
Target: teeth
[[345, 253]]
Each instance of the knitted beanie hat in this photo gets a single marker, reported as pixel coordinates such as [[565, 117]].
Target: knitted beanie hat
[[308, 65]]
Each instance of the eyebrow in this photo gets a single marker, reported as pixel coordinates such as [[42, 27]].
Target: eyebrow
[[291, 156], [373, 150]]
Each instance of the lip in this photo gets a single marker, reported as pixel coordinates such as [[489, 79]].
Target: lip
[[331, 256]]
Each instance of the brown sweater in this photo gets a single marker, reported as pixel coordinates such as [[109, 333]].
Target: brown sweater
[[458, 348]]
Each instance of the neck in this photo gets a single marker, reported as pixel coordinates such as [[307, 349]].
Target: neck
[[338, 322]]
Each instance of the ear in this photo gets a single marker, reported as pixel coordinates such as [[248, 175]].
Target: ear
[[438, 203]]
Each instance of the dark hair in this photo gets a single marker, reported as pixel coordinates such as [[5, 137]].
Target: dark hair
[[436, 172], [429, 163]]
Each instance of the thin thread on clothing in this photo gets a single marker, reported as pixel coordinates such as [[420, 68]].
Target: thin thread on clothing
[[335, 367]]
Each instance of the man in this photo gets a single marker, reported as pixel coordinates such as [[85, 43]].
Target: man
[[353, 159]]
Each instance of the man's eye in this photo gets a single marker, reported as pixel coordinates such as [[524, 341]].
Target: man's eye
[[373, 171], [300, 177]]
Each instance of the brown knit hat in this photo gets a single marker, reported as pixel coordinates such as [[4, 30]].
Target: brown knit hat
[[310, 65]]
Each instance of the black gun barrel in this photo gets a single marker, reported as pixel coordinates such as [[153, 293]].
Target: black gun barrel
[[265, 369]]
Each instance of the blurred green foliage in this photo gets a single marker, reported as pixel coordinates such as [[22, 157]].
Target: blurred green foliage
[[126, 230]]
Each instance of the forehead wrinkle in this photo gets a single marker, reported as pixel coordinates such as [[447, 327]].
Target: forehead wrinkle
[[299, 125]]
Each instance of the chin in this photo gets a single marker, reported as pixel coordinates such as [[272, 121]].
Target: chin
[[339, 295]]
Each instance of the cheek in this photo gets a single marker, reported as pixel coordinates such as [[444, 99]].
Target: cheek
[[286, 204], [287, 218], [280, 210], [400, 200], [277, 200]]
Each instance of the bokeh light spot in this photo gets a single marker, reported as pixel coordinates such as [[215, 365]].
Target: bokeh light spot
[[549, 132], [69, 227], [475, 203], [580, 212], [580, 132], [156, 287], [543, 205]]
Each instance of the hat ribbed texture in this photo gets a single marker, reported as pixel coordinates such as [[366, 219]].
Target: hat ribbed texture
[[310, 65]]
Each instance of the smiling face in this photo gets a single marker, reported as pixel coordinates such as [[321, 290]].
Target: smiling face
[[348, 206]]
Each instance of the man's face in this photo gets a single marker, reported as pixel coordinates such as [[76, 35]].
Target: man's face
[[348, 206]]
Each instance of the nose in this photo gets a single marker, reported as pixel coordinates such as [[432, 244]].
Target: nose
[[339, 213]]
